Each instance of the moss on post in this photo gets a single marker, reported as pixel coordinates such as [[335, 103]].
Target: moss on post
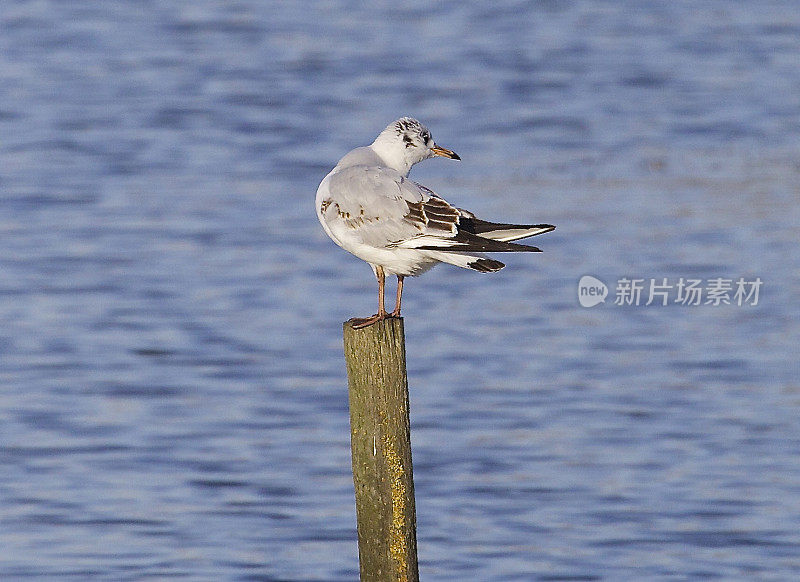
[[381, 447]]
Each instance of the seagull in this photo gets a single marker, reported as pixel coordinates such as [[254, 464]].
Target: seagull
[[370, 208]]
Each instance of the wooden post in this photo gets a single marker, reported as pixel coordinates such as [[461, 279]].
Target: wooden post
[[381, 446]]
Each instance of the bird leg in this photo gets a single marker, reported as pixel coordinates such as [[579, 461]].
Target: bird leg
[[359, 322], [396, 312]]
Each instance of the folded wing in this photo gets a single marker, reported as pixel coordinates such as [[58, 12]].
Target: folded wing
[[385, 209]]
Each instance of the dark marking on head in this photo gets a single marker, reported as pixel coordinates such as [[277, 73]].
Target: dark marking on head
[[405, 124], [408, 124]]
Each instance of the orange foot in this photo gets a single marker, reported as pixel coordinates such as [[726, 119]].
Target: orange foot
[[362, 322]]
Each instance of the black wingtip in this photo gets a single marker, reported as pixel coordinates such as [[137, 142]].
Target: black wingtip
[[480, 227], [465, 241]]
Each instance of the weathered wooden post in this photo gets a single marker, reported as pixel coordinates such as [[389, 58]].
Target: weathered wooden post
[[380, 439]]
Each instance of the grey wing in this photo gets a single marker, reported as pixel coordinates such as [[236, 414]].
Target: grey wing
[[382, 208], [443, 227]]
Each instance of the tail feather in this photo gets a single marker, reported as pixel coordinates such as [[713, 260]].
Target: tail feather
[[466, 261], [486, 265]]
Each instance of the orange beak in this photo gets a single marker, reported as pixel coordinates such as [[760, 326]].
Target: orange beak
[[445, 153]]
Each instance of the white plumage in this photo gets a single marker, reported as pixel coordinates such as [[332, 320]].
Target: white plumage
[[370, 208]]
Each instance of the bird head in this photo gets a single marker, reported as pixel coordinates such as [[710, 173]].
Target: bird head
[[406, 142]]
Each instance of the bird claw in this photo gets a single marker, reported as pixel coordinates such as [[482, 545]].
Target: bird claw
[[362, 322]]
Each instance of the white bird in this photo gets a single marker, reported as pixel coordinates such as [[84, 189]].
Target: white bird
[[370, 208]]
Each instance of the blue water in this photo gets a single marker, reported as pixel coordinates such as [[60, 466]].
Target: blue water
[[173, 399]]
